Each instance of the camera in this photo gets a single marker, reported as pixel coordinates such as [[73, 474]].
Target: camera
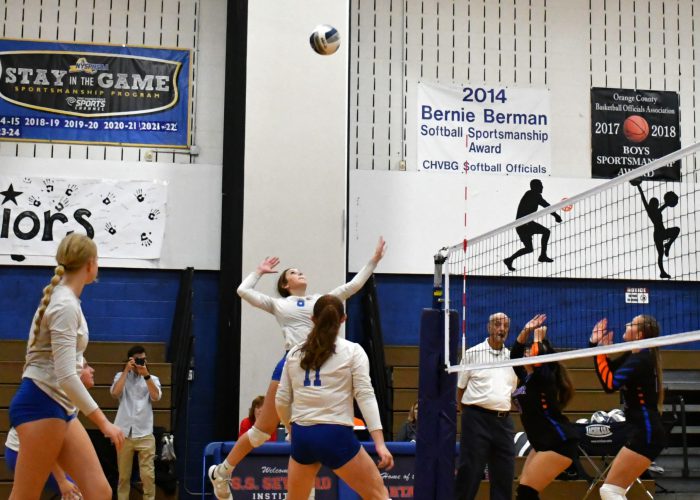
[[140, 361]]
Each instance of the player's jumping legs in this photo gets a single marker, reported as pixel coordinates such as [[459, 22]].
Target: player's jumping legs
[[362, 475], [301, 479]]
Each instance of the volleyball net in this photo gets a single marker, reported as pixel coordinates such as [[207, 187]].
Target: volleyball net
[[627, 247]]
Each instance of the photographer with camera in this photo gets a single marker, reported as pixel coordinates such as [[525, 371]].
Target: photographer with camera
[[136, 388]]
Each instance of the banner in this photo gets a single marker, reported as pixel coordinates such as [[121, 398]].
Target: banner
[[125, 218], [482, 129], [264, 477], [630, 128], [107, 94]]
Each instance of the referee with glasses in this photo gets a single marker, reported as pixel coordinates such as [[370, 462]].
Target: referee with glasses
[[487, 429]]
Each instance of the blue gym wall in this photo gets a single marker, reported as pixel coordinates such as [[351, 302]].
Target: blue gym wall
[[136, 306], [572, 306]]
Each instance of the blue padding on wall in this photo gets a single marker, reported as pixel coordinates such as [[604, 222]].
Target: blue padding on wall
[[575, 303]]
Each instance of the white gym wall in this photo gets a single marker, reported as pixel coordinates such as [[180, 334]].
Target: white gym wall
[[295, 164], [567, 47]]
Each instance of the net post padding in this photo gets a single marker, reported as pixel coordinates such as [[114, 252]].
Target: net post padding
[[437, 389]]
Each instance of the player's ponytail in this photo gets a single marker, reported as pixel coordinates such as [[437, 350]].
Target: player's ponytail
[[651, 329], [74, 251], [320, 344]]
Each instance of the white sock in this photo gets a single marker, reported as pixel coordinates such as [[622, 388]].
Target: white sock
[[224, 469], [612, 492]]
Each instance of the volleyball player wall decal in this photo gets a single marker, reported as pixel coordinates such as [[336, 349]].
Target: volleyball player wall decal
[[663, 237], [529, 203], [635, 128]]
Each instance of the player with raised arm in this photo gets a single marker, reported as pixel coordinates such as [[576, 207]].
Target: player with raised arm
[[293, 312], [321, 378], [544, 391], [639, 377]]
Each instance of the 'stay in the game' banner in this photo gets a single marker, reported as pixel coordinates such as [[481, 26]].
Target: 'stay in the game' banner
[[630, 128], [108, 94], [483, 129]]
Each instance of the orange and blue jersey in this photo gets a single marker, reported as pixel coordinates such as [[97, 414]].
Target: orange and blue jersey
[[634, 375], [538, 400]]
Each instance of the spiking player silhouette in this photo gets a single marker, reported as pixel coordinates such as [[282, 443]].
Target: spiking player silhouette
[[663, 238], [529, 204]]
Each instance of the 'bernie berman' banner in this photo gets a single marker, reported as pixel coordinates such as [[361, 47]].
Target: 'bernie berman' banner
[[82, 93], [125, 218]]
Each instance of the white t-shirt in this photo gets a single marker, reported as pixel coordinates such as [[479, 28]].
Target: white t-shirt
[[294, 313], [55, 354], [488, 388], [326, 396]]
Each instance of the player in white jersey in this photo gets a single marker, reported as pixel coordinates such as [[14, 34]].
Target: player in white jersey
[[293, 311], [44, 408], [319, 381]]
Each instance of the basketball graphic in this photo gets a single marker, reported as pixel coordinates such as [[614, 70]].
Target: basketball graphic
[[635, 128]]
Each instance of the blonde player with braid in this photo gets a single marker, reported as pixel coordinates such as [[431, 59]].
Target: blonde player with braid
[[45, 406]]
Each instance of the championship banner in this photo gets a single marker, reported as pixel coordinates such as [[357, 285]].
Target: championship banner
[[482, 129], [105, 94], [126, 219], [630, 128]]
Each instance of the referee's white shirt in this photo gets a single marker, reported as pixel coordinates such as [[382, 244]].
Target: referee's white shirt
[[488, 388]]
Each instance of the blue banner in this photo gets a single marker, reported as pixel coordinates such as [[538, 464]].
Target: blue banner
[[104, 94]]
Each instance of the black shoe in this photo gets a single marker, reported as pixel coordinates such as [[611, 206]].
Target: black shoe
[[509, 264], [544, 258], [665, 275]]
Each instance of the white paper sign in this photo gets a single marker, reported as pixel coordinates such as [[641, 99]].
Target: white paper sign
[[125, 218], [483, 130]]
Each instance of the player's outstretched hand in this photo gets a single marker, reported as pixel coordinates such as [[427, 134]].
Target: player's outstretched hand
[[535, 322], [540, 333], [268, 265], [557, 217], [600, 330], [386, 460], [379, 251]]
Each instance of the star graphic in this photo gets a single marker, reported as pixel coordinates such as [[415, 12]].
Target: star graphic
[[10, 195]]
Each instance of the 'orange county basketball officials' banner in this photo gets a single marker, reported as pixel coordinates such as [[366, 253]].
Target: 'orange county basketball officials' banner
[[482, 129], [125, 218], [108, 94], [630, 128]]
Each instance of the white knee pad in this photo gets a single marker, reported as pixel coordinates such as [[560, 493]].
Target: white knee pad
[[257, 437], [612, 492]]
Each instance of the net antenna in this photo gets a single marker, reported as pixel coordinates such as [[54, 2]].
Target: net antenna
[[623, 232]]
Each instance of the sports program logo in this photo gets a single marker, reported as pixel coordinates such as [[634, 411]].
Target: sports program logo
[[87, 103], [83, 66]]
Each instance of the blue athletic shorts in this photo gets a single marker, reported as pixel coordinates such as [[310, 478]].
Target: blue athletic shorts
[[31, 403], [277, 374], [331, 445], [11, 462]]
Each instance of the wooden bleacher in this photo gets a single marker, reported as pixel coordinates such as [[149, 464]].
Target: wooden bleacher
[[403, 363], [107, 358]]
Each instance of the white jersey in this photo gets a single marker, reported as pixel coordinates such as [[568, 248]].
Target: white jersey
[[55, 354], [294, 313], [325, 396]]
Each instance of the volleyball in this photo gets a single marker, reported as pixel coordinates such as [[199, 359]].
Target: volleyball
[[635, 128], [325, 39]]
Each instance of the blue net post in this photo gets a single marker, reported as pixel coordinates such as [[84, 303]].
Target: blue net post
[[435, 443]]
